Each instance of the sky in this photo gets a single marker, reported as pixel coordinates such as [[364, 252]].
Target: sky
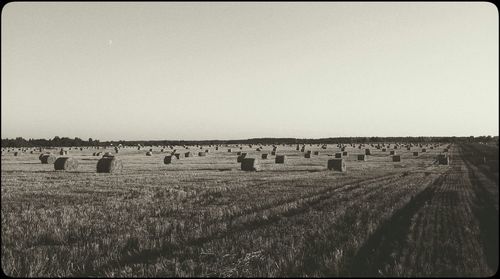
[[219, 70]]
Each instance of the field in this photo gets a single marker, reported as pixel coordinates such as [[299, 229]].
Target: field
[[203, 216]]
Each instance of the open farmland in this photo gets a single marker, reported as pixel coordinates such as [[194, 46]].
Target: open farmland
[[204, 216]]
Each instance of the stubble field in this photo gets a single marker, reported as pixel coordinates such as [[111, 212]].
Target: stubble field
[[203, 216]]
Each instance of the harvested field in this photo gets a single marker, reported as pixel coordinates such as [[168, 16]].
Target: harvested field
[[204, 216]]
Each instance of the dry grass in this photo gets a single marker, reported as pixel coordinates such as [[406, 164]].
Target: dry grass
[[203, 216]]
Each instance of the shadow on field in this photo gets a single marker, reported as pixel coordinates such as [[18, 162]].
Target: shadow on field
[[390, 236], [487, 215]]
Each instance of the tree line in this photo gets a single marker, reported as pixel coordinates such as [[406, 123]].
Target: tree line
[[68, 142]]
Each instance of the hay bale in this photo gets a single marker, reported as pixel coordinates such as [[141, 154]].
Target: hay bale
[[40, 156], [344, 153], [229, 150], [273, 153], [316, 152], [392, 152], [384, 150], [280, 159], [187, 154], [206, 151], [443, 159], [367, 151], [238, 153], [65, 163], [202, 154], [415, 153], [63, 152], [109, 165], [167, 160], [264, 156], [107, 154], [149, 153], [338, 155], [177, 155], [361, 157], [396, 158], [336, 165], [307, 155], [250, 164], [445, 150], [241, 157], [47, 158], [424, 150]]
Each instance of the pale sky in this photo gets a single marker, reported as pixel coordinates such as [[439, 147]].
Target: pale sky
[[139, 71]]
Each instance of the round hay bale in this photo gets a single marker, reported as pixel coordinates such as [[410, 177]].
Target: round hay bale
[[16, 153], [109, 165], [229, 150], [338, 155], [264, 156], [177, 155], [396, 158], [280, 159], [367, 151], [149, 153], [392, 152], [168, 159], [316, 153], [361, 157], [47, 158], [415, 153], [250, 164], [307, 155], [65, 163], [202, 154], [336, 165], [40, 156], [443, 159]]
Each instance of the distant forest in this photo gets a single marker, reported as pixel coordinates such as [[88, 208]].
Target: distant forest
[[68, 142]]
